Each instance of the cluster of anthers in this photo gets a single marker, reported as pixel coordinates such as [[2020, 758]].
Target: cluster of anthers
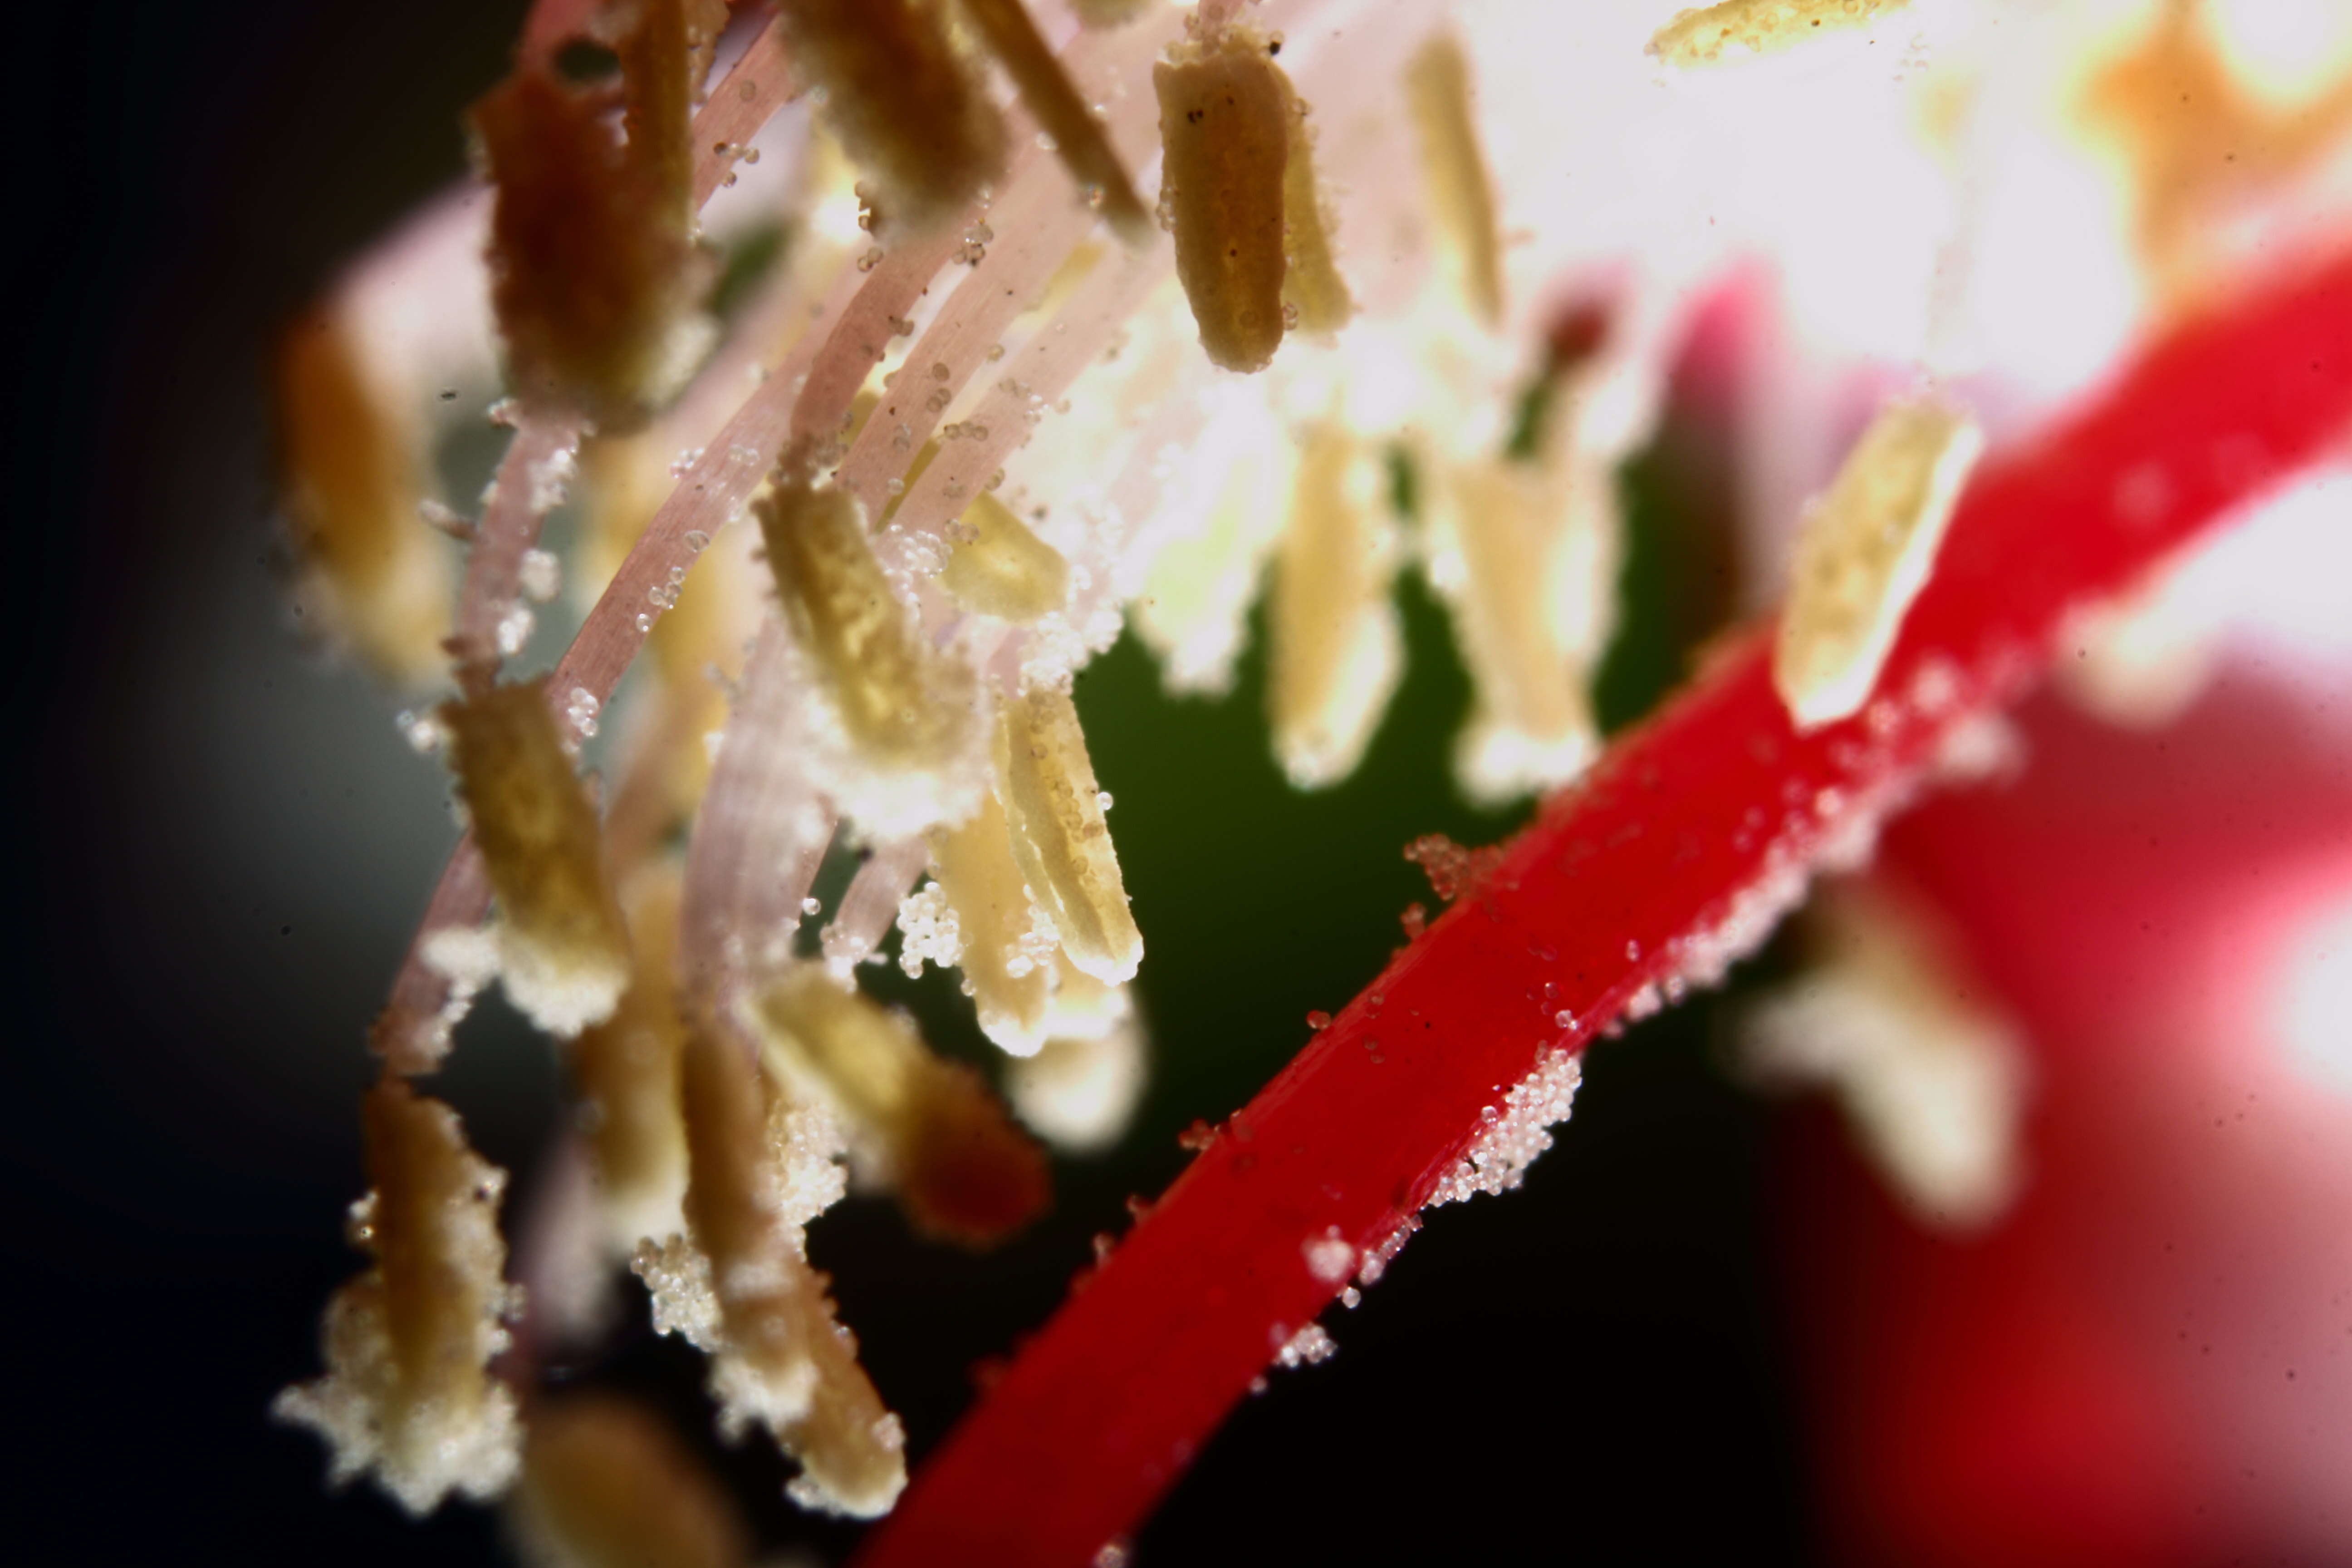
[[927, 271]]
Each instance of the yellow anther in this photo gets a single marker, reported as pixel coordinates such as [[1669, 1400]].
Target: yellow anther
[[605, 1484], [903, 708], [354, 478], [741, 1290], [627, 1069], [1060, 839], [961, 1170], [408, 1393], [905, 99], [562, 949], [1311, 285], [1453, 165], [1706, 34], [998, 568], [1009, 986], [1866, 550], [1335, 649], [1224, 131], [1532, 583]]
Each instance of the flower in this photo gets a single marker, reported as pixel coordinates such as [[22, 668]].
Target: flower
[[896, 656]]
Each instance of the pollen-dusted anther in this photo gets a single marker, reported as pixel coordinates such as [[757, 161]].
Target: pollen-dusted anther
[[1866, 550], [594, 271], [1225, 136], [1060, 840], [997, 566], [605, 1484], [1312, 289], [961, 1170], [903, 708], [905, 99], [1011, 987], [1053, 100], [1706, 34], [1334, 648], [563, 948], [739, 1287], [1453, 166], [664, 58], [355, 481], [627, 1070], [1528, 557], [408, 1393]]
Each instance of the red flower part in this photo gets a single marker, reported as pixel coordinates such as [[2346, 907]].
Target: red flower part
[[1694, 834], [2144, 1363]]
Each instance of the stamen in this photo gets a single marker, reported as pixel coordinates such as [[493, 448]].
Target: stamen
[[605, 1483], [1866, 550], [663, 60], [1453, 165], [1060, 840], [626, 1072], [563, 951], [1931, 1078], [975, 868], [595, 274], [961, 1168], [1225, 131], [1335, 649], [905, 99], [354, 469], [1079, 1094], [1312, 289], [903, 708], [738, 1288], [998, 567], [1531, 581], [1706, 34], [408, 1344]]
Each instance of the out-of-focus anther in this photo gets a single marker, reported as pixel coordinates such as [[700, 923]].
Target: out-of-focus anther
[[1335, 649], [626, 1072], [905, 99], [605, 1484], [960, 1167], [409, 1393], [1453, 165], [997, 566], [354, 485]]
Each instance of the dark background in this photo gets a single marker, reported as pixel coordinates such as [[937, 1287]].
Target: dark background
[[223, 844]]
